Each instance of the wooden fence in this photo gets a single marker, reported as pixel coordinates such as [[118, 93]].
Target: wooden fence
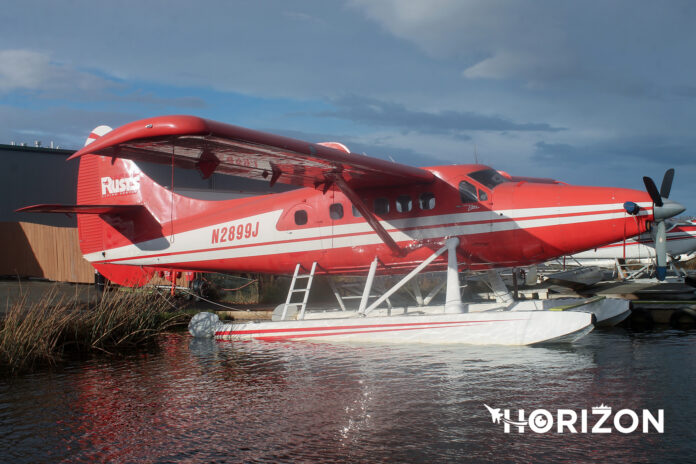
[[36, 250], [48, 252]]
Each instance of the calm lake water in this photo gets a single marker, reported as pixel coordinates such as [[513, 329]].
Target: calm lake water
[[207, 401]]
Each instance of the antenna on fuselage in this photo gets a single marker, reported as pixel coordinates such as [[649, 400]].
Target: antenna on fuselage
[[476, 161]]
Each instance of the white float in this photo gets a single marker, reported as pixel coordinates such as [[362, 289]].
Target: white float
[[480, 328], [510, 323]]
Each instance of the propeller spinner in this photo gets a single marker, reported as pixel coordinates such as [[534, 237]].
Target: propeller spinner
[[663, 208]]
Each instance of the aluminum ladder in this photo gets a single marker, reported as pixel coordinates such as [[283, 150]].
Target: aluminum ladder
[[293, 290]]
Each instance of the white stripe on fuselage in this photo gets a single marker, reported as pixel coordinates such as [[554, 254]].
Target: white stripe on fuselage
[[195, 245]]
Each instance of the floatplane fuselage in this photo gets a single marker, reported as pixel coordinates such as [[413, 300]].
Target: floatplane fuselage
[[352, 213], [500, 222]]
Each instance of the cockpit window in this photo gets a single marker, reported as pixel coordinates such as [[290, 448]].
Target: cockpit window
[[467, 192], [489, 177]]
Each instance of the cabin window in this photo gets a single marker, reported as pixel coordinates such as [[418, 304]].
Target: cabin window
[[483, 196], [381, 205], [336, 211], [426, 201], [404, 203], [356, 213], [300, 217], [467, 192]]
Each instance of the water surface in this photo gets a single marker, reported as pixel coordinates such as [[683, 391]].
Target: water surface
[[208, 401]]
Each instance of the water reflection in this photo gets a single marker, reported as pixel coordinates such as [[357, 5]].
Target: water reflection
[[201, 400]]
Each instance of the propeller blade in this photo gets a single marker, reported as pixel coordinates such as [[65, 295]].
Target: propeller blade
[[666, 186], [652, 191], [661, 250]]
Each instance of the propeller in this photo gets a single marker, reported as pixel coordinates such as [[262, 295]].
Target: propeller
[[663, 208]]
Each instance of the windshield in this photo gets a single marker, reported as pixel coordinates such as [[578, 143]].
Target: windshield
[[489, 177]]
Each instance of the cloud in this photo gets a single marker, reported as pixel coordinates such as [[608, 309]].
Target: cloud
[[688, 91], [594, 44], [35, 74], [68, 127], [307, 49], [398, 49], [539, 88], [622, 161], [29, 70], [626, 151], [426, 24], [378, 145], [371, 111], [522, 65], [149, 98]]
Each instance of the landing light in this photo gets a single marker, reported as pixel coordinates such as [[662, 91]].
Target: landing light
[[631, 208]]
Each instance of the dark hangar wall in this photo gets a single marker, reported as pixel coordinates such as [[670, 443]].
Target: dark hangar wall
[[33, 175]]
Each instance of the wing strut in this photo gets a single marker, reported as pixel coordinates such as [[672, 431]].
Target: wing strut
[[369, 217]]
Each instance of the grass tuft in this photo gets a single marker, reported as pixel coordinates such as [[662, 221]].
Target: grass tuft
[[43, 332]]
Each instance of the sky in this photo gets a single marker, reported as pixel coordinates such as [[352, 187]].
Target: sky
[[587, 92]]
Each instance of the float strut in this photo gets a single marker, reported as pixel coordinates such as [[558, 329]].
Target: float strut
[[336, 293], [451, 243], [368, 286], [453, 295]]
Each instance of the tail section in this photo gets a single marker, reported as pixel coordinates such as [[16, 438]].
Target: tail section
[[121, 212], [117, 184]]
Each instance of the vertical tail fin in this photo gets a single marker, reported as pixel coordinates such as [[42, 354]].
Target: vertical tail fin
[[98, 131], [114, 181]]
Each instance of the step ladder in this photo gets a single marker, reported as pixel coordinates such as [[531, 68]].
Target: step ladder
[[293, 290]]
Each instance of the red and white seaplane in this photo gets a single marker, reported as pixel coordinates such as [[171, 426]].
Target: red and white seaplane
[[355, 215]]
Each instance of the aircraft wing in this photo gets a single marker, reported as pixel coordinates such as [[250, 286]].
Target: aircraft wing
[[214, 147]]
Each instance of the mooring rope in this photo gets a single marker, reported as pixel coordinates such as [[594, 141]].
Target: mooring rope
[[239, 288], [211, 302]]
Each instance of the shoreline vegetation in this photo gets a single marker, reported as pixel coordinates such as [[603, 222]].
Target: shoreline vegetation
[[51, 329]]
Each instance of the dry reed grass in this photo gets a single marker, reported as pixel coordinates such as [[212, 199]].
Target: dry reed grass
[[44, 332], [690, 265], [31, 333]]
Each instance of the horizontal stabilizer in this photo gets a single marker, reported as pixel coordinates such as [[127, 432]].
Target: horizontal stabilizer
[[83, 209], [131, 221]]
